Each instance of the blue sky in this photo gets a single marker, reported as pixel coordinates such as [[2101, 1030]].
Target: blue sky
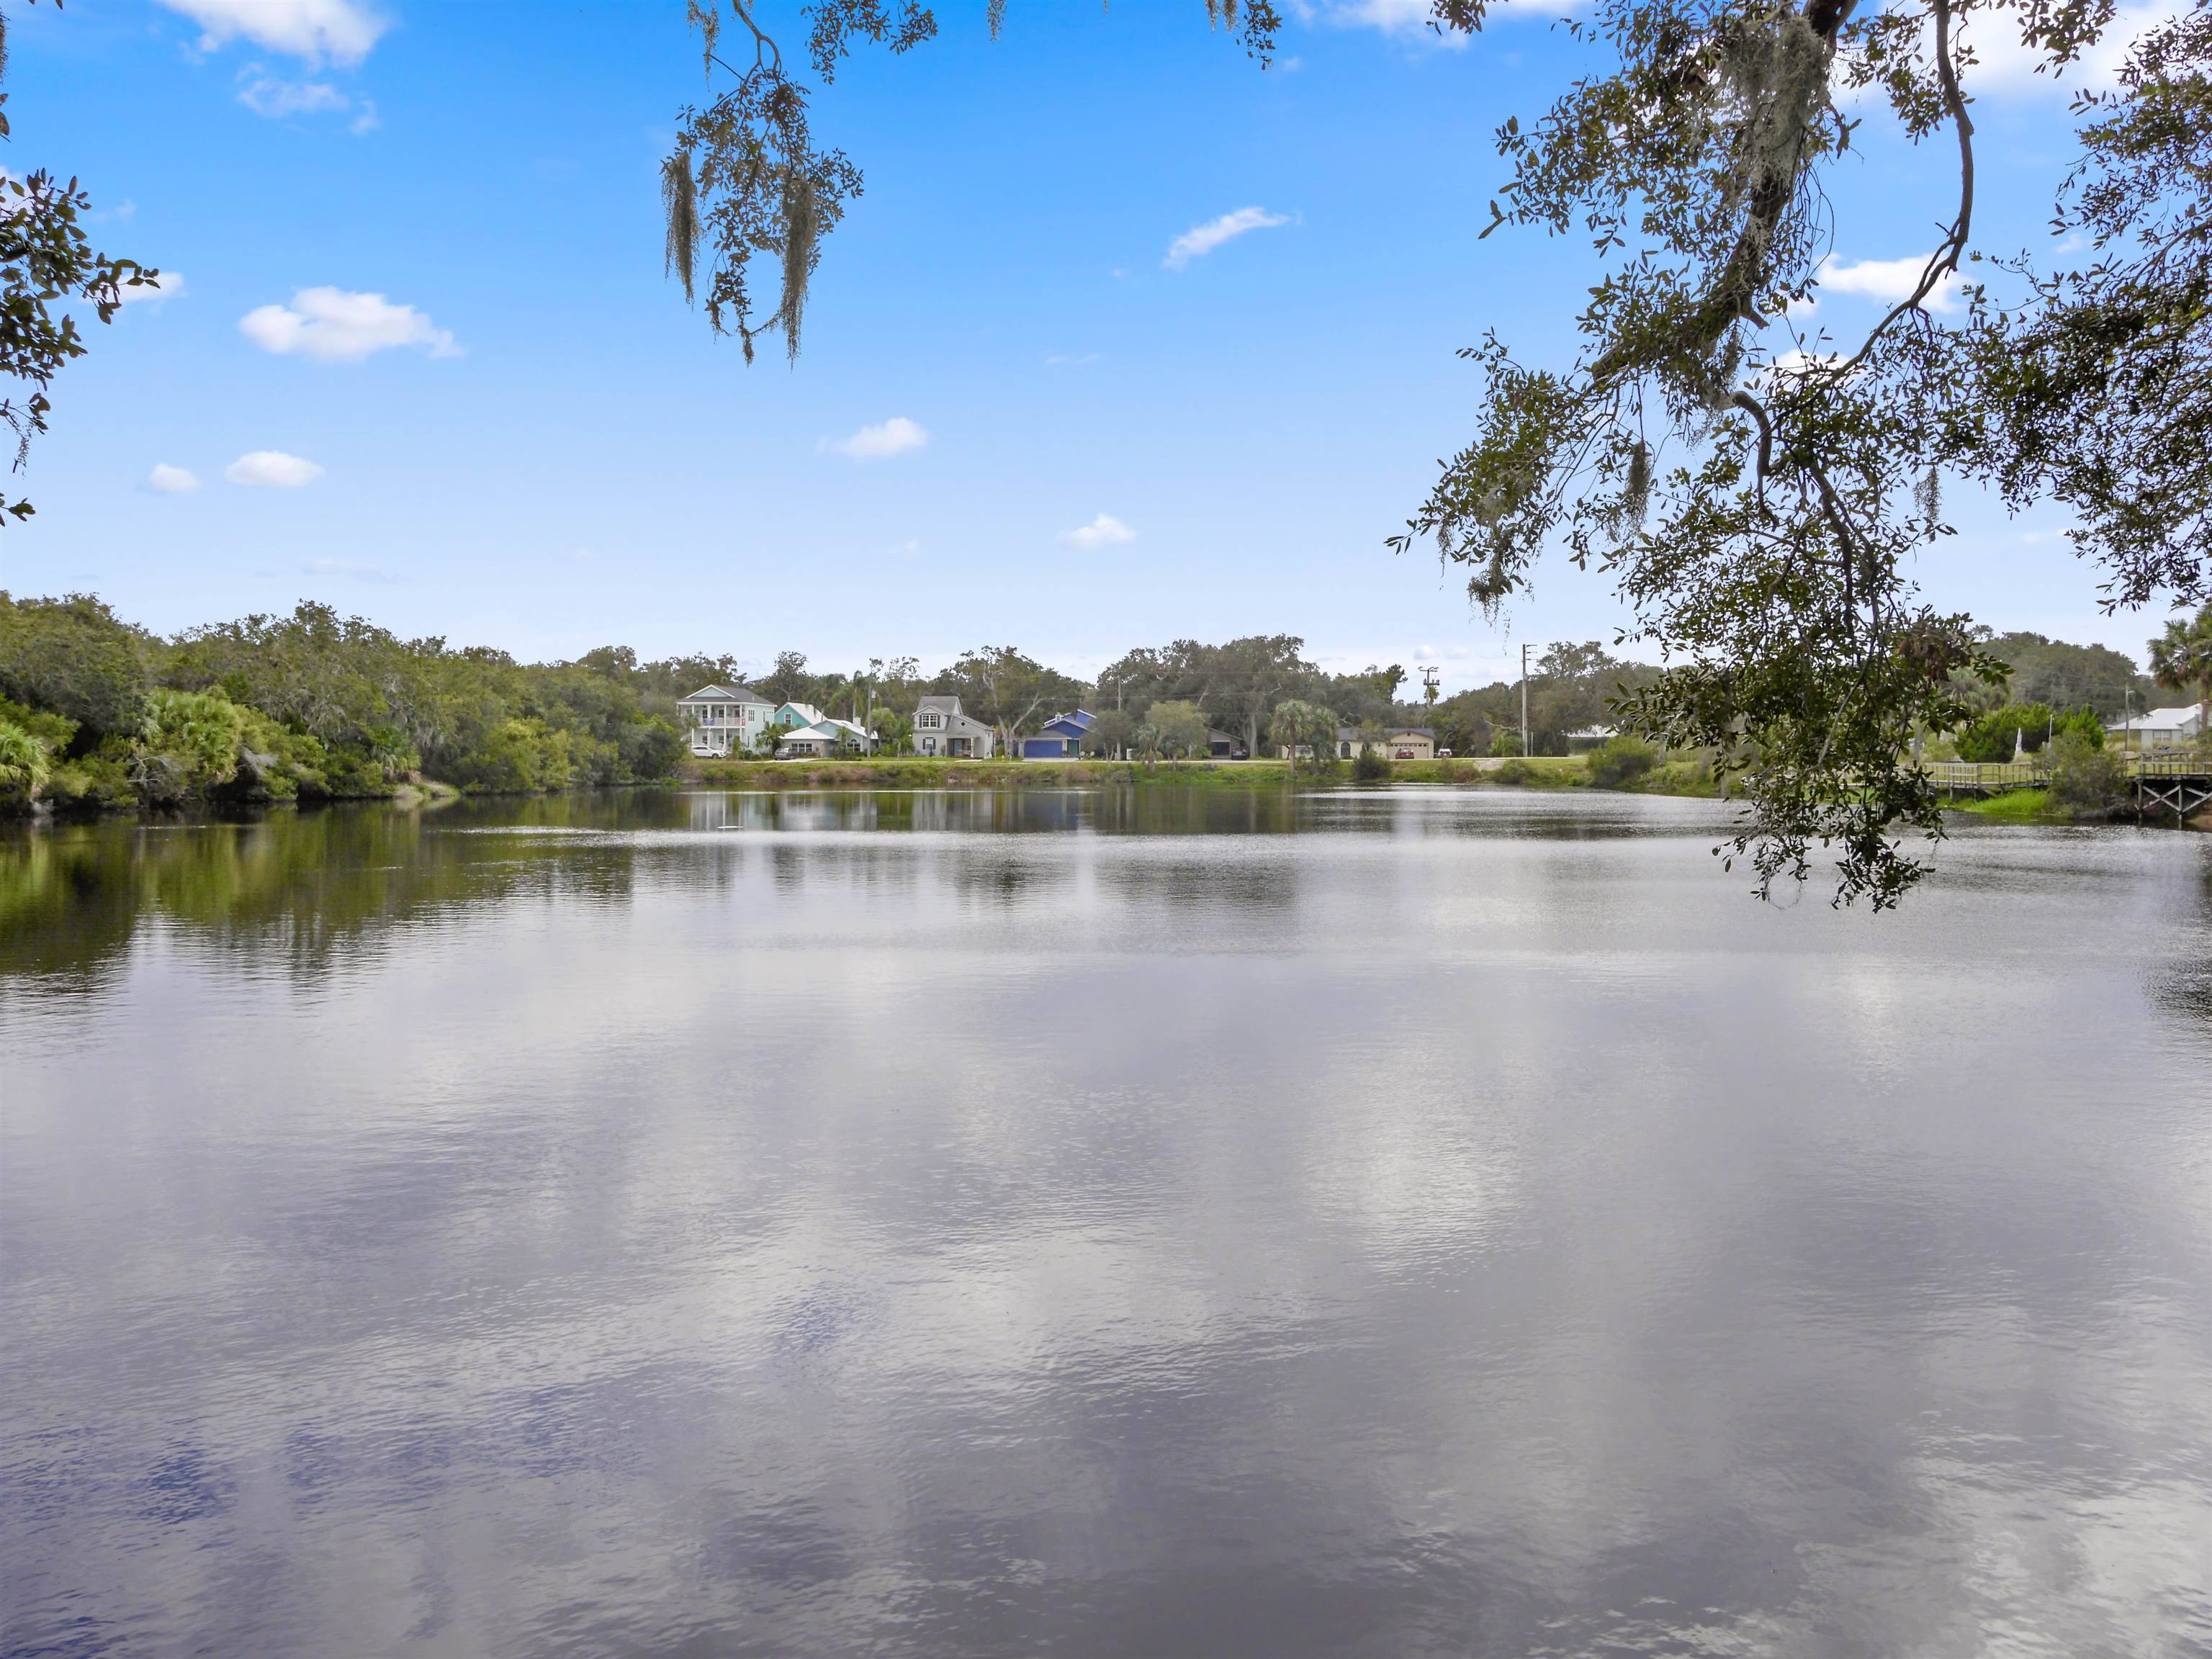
[[1080, 441]]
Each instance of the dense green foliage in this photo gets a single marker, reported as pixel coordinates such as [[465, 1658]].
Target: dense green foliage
[[1621, 762], [2086, 779], [2062, 676], [309, 705], [1998, 734]]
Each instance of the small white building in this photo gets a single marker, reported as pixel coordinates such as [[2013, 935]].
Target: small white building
[[722, 720], [825, 736], [2159, 728], [941, 728]]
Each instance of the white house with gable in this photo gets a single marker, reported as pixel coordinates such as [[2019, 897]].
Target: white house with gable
[[722, 720], [2159, 728]]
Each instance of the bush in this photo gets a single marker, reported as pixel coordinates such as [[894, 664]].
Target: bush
[[2085, 777], [1505, 743], [24, 766], [1371, 766], [189, 745], [518, 754], [1620, 763], [1993, 737], [98, 782], [1515, 772]]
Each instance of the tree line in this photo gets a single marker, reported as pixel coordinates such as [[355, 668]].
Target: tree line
[[97, 713]]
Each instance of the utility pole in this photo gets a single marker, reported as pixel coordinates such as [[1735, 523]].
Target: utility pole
[[1524, 698], [1429, 681]]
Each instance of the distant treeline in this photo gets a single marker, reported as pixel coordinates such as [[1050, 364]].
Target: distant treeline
[[99, 714]]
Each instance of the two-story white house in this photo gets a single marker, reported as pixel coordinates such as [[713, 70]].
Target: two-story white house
[[722, 720], [940, 728]]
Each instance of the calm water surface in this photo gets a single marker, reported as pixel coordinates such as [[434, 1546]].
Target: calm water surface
[[1092, 1226]]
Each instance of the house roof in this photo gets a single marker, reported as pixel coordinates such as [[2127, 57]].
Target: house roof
[[945, 705], [725, 694], [827, 727], [2157, 719], [1080, 720]]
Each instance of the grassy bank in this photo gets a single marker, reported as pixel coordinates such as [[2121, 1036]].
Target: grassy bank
[[913, 772], [2016, 806]]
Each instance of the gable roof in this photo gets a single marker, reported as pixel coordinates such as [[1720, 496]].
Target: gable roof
[[2157, 719], [1080, 721], [945, 705], [725, 694]]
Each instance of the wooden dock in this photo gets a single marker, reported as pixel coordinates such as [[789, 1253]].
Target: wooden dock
[[2179, 784]]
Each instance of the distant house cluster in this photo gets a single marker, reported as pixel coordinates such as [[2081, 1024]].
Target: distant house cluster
[[722, 721]]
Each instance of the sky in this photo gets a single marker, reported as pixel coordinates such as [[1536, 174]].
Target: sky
[[1128, 340]]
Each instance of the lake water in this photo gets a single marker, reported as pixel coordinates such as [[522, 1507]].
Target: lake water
[[1162, 1224]]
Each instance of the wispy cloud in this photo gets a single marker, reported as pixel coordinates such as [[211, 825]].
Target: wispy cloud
[[171, 480], [332, 325], [873, 443], [272, 469], [351, 569], [274, 97], [341, 31], [264, 94], [1202, 239], [1105, 530]]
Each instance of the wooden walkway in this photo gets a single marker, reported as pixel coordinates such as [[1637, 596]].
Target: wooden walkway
[[2179, 784]]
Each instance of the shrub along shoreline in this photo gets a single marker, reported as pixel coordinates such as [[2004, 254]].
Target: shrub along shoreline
[[913, 772]]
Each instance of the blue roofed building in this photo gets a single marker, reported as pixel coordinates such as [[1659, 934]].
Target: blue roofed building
[[1060, 738]]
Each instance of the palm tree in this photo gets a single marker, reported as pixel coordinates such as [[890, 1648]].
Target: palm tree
[[2181, 660]]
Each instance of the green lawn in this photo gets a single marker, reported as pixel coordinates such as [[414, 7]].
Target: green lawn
[[2016, 806]]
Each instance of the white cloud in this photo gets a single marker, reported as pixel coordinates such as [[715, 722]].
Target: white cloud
[[2003, 63], [872, 443], [906, 549], [1202, 239], [1408, 20], [334, 327], [1890, 280], [154, 289], [312, 30], [272, 469], [1105, 530], [171, 480]]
